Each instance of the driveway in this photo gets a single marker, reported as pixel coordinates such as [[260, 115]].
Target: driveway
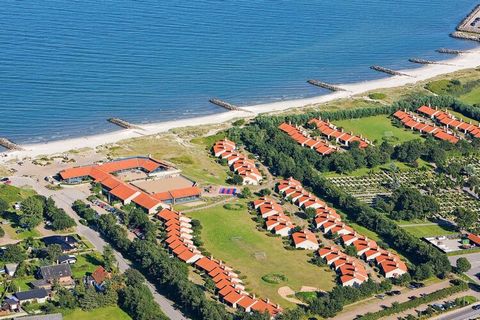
[[64, 199]]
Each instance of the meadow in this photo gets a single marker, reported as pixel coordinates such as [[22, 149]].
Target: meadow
[[231, 235]]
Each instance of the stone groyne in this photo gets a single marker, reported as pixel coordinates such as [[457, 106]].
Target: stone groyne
[[224, 104], [388, 71], [325, 85], [122, 123], [7, 144]]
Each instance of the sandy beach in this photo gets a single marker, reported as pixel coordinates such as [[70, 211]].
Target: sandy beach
[[468, 60]]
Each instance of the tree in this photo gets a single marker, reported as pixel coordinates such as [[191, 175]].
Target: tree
[[265, 192], [109, 260], [2, 232], [246, 192], [53, 251], [4, 206], [351, 250], [237, 179], [133, 277], [66, 299], [32, 212], [343, 162], [14, 253], [464, 218], [463, 265]]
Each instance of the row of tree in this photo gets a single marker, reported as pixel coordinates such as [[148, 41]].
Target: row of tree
[[170, 275], [36, 208]]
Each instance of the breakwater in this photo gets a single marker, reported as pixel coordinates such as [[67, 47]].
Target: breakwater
[[122, 123], [449, 51], [388, 71], [224, 104], [325, 85], [7, 144]]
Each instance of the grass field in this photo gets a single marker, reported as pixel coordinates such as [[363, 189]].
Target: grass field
[[106, 313], [421, 231], [232, 237], [13, 194], [473, 97], [86, 263], [364, 171], [193, 159], [377, 128]]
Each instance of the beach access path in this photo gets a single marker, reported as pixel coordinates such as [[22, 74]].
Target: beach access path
[[64, 199], [468, 60]]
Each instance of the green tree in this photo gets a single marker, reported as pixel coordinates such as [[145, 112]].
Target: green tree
[[246, 192], [237, 179], [53, 251], [14, 253], [109, 260], [465, 219], [4, 206], [32, 212], [351, 250], [463, 265]]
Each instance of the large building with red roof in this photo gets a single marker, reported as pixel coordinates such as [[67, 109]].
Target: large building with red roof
[[118, 190]]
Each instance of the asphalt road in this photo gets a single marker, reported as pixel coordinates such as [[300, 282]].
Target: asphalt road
[[64, 199], [460, 314]]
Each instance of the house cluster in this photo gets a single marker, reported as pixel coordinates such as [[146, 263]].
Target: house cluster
[[41, 291], [450, 121], [276, 220], [329, 222], [414, 122], [341, 137], [229, 286], [116, 189], [279, 223], [304, 139], [350, 270], [238, 162]]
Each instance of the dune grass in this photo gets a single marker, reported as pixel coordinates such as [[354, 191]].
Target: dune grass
[[232, 237]]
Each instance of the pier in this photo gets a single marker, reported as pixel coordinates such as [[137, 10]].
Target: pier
[[449, 51], [388, 71], [224, 104], [325, 85], [469, 27], [7, 144], [122, 123]]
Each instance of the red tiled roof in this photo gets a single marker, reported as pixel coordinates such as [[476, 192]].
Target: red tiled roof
[[146, 201], [123, 191], [100, 274]]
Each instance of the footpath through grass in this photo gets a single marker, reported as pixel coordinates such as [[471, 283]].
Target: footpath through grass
[[377, 128], [232, 237]]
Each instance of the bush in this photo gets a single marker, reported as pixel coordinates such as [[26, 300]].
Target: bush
[[377, 96], [274, 278], [234, 206]]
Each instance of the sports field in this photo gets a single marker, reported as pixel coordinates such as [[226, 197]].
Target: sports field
[[377, 128], [232, 237]]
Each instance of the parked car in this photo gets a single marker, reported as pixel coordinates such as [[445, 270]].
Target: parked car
[[4, 179], [380, 296], [476, 307]]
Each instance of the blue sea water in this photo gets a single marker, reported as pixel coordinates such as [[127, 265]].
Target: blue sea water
[[66, 66]]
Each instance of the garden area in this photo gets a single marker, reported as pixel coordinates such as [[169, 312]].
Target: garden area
[[262, 261]]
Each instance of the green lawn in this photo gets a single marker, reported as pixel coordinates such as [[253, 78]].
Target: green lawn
[[13, 194], [377, 128], [86, 263], [106, 313], [364, 171], [473, 97], [232, 237], [427, 231]]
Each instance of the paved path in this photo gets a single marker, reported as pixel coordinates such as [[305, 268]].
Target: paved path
[[64, 199], [474, 259], [375, 304]]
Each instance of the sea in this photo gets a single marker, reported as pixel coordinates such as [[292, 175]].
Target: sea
[[67, 66]]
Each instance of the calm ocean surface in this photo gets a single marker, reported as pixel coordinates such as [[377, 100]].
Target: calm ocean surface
[[66, 66]]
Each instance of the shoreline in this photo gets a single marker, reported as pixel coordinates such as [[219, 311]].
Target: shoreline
[[468, 60]]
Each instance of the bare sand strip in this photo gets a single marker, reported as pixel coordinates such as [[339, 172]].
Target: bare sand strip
[[468, 60]]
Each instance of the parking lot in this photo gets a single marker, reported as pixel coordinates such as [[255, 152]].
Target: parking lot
[[474, 259]]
